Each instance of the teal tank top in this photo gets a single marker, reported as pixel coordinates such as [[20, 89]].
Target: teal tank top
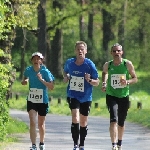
[[114, 88]]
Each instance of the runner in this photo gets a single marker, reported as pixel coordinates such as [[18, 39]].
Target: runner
[[116, 81], [83, 76], [40, 80]]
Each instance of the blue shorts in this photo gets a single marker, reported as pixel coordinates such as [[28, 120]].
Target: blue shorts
[[84, 108], [41, 108]]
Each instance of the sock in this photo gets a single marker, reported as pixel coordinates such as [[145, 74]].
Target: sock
[[114, 144], [41, 143], [33, 144], [83, 133], [119, 142], [75, 132]]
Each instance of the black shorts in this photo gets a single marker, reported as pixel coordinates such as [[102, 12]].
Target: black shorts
[[84, 108], [41, 108], [69, 101], [118, 108]]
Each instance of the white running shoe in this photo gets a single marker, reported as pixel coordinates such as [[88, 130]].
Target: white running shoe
[[114, 148], [119, 147]]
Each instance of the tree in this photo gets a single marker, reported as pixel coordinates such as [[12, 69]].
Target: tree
[[56, 46], [107, 29], [122, 23], [6, 71], [90, 38], [82, 25], [9, 21], [23, 52], [42, 34], [25, 10]]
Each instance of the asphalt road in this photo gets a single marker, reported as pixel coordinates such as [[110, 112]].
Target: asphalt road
[[58, 136]]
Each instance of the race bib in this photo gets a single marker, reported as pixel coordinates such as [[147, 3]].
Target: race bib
[[115, 80], [35, 95], [77, 83]]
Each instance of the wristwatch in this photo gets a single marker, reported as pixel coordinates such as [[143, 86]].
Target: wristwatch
[[128, 83], [104, 84], [90, 80]]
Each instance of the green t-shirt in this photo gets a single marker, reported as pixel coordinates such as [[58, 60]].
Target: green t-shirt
[[114, 88]]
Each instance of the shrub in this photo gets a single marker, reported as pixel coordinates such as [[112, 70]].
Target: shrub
[[4, 113]]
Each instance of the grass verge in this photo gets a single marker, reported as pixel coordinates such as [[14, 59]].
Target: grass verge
[[15, 126], [139, 92]]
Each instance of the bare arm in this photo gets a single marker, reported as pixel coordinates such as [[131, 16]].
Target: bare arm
[[94, 82], [104, 76], [50, 84], [66, 77], [24, 81], [132, 73]]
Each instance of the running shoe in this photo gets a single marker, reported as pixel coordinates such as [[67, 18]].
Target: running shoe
[[42, 147], [119, 147], [114, 148], [75, 147], [33, 147], [81, 148]]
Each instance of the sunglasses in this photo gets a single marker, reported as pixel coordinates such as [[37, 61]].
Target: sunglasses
[[117, 51]]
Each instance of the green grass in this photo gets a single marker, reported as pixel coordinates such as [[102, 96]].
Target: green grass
[[15, 126], [139, 92]]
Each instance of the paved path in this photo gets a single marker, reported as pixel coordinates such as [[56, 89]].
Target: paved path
[[58, 136]]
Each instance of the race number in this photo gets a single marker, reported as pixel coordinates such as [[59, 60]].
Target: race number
[[77, 83], [35, 95], [115, 80]]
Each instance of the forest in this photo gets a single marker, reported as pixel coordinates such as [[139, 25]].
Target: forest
[[53, 26]]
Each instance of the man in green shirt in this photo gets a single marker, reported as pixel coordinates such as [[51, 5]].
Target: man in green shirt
[[115, 82]]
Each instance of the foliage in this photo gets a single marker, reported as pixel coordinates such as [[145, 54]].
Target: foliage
[[10, 14], [27, 11], [31, 46], [4, 115], [136, 33], [67, 18], [4, 9]]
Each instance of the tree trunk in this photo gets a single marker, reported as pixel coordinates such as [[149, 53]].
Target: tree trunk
[[90, 36], [107, 33], [23, 53], [57, 54], [56, 46], [143, 54], [121, 27], [42, 38], [82, 24]]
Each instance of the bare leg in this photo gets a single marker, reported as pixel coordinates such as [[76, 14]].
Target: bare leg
[[41, 126], [32, 117], [75, 115], [83, 120], [120, 132], [113, 132]]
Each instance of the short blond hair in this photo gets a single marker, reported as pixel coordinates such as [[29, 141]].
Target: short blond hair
[[81, 42]]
